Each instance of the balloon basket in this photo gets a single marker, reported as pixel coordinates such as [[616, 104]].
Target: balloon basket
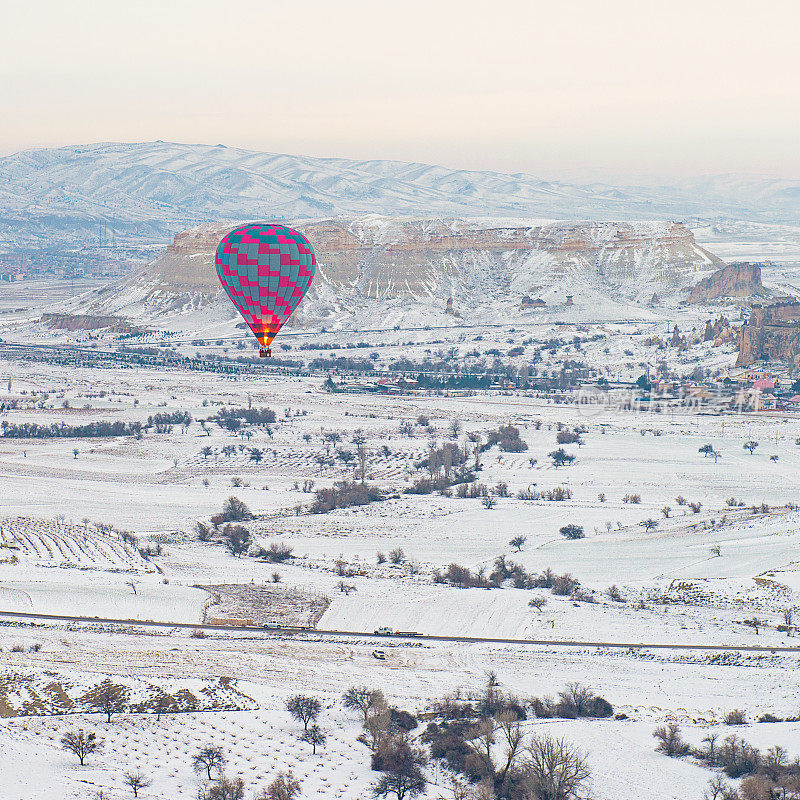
[[266, 352]]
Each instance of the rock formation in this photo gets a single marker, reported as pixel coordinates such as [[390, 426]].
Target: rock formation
[[741, 279], [479, 265], [771, 333], [530, 302], [719, 332]]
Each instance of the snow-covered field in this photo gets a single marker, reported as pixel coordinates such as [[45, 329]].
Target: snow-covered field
[[106, 527]]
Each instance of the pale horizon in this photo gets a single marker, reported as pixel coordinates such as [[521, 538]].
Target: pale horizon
[[576, 93]]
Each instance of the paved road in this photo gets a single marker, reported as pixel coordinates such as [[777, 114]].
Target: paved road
[[289, 631]]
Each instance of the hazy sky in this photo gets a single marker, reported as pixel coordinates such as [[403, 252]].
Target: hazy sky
[[566, 88]]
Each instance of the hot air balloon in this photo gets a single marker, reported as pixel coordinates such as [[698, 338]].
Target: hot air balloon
[[265, 269]]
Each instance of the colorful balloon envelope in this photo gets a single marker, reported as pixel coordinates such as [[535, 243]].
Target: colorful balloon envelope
[[266, 270]]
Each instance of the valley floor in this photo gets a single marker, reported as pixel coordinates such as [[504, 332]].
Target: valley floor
[[106, 527]]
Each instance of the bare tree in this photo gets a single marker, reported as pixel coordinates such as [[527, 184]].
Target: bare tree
[[315, 737], [303, 708], [208, 758], [363, 699], [235, 510], [111, 698], [136, 781], [496, 747], [538, 602], [284, 787], [163, 704], [788, 619], [717, 789], [402, 776], [223, 789], [554, 769], [579, 697], [518, 542], [377, 728], [362, 454], [81, 744], [670, 741]]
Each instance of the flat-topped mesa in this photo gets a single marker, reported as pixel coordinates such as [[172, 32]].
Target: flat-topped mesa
[[337, 235], [480, 263]]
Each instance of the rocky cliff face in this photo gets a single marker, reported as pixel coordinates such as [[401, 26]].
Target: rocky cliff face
[[480, 265], [771, 333], [735, 280]]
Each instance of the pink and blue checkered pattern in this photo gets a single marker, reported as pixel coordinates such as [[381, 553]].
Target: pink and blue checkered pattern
[[266, 270]]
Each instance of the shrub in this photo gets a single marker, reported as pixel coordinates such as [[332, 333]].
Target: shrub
[[572, 531], [599, 708], [345, 494], [235, 510], [251, 416], [402, 720], [507, 438], [277, 552], [737, 758], [284, 787], [456, 575], [237, 539], [735, 717], [564, 585], [446, 741], [670, 741], [561, 457]]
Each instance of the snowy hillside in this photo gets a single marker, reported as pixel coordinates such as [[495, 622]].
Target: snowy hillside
[[144, 192]]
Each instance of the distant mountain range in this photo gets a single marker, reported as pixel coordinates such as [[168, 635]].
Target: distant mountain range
[[143, 193]]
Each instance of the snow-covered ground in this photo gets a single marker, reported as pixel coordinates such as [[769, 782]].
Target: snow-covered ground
[[696, 577]]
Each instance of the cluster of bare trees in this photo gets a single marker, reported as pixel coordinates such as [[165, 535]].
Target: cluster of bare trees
[[60, 430], [209, 762], [345, 494], [386, 733], [307, 709], [504, 571], [507, 438], [233, 418], [769, 775], [484, 746]]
